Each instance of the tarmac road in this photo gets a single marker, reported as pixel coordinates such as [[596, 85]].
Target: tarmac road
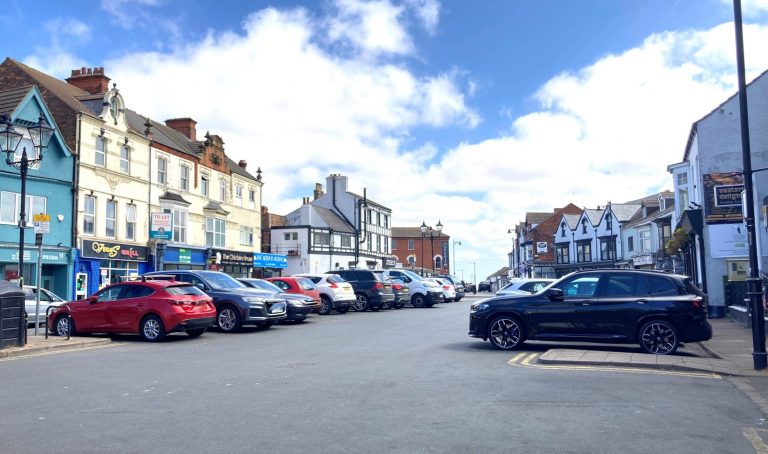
[[393, 381]]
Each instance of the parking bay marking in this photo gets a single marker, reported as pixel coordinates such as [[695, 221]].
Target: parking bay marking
[[526, 359]]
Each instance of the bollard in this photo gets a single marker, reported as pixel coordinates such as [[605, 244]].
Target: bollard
[[69, 325]]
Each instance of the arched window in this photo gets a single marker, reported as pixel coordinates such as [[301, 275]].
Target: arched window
[[411, 260], [438, 262]]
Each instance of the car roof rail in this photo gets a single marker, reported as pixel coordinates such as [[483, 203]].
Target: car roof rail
[[157, 277]]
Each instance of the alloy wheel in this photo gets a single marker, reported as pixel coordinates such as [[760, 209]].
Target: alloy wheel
[[151, 329], [62, 326], [659, 338], [227, 319], [505, 333]]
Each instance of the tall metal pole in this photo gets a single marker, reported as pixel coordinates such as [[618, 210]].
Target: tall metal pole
[[38, 278], [754, 284], [422, 254], [22, 224]]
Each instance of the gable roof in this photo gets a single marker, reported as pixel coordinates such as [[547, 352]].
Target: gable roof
[[652, 217], [624, 212], [536, 217], [572, 220], [65, 92], [413, 232], [10, 99], [593, 215], [332, 220]]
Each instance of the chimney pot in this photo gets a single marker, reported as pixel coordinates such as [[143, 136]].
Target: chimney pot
[[90, 80], [243, 163]]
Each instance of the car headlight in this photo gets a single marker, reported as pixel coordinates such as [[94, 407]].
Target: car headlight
[[476, 307], [254, 299]]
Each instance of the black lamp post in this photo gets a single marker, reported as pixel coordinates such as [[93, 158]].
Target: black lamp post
[[40, 134], [424, 229]]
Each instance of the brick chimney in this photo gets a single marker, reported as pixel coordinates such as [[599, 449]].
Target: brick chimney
[[243, 164], [185, 126], [91, 80], [318, 191]]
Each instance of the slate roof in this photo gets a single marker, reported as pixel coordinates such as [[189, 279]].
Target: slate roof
[[654, 216], [371, 202], [413, 232], [624, 212], [215, 206], [594, 215], [502, 272], [173, 197], [332, 220], [10, 99], [537, 217], [67, 93], [572, 220], [235, 168], [161, 133]]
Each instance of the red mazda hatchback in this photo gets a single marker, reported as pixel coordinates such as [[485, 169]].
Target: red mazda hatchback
[[151, 308]]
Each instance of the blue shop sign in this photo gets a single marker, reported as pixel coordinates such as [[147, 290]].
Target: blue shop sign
[[264, 260], [30, 256]]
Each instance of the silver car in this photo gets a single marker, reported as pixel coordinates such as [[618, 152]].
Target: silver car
[[47, 299]]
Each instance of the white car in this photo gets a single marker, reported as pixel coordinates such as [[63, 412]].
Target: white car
[[449, 291], [47, 299], [335, 292], [532, 285]]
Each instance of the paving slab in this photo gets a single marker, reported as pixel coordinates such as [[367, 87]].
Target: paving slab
[[39, 344]]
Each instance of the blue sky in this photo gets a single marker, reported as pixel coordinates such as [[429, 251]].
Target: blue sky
[[468, 112]]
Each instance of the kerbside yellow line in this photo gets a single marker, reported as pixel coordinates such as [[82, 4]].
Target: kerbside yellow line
[[63, 350], [518, 360]]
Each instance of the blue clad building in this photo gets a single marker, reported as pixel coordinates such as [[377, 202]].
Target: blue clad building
[[49, 191]]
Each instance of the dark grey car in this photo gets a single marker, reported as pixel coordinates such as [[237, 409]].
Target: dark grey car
[[236, 304]]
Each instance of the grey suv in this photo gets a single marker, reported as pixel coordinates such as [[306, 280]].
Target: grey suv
[[236, 304]]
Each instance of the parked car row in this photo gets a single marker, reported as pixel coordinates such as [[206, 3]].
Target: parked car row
[[163, 302]]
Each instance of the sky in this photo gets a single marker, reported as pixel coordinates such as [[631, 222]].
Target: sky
[[467, 113]]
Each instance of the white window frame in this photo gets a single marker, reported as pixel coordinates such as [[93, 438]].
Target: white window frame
[[125, 159], [130, 222], [87, 215], [217, 229], [239, 195], [246, 235], [32, 201], [112, 220], [162, 170], [205, 184], [100, 152], [184, 177], [252, 198], [222, 189], [644, 241]]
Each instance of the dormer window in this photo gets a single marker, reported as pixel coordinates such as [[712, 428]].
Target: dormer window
[[608, 221]]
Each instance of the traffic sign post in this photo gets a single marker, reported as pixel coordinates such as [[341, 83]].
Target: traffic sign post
[[42, 224]]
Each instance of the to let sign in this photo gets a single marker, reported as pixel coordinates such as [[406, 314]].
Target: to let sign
[[42, 223], [160, 228]]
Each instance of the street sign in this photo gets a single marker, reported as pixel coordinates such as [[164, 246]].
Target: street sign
[[42, 223], [160, 227]]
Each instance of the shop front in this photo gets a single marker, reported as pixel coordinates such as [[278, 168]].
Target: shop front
[[268, 265], [55, 271], [101, 263], [183, 258], [234, 263]]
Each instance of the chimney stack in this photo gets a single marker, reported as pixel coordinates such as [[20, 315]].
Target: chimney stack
[[90, 80], [318, 191], [185, 126]]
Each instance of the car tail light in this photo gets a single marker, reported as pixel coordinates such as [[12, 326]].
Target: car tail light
[[378, 286], [445, 287], [698, 303], [397, 286], [333, 285]]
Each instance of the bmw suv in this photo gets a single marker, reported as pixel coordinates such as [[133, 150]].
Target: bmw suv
[[656, 310], [236, 304]]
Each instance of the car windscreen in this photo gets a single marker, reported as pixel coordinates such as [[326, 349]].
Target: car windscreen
[[305, 284], [184, 290], [266, 285], [220, 281]]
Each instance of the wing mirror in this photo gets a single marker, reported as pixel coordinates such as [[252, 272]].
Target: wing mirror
[[555, 294], [93, 299]]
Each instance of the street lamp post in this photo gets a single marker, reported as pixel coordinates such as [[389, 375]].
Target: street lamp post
[[40, 134], [453, 269], [424, 229]]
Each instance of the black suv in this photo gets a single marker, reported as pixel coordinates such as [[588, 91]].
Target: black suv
[[371, 290], [236, 304], [651, 308]]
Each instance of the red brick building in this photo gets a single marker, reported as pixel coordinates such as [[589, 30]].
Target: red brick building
[[427, 254], [534, 244]]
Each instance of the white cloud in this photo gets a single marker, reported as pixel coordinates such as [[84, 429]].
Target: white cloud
[[300, 109], [750, 8], [125, 12], [428, 13]]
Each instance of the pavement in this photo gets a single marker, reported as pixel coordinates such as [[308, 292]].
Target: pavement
[[729, 353], [39, 344]]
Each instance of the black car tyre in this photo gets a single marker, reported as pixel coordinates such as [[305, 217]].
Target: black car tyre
[[361, 303], [326, 305], [418, 300], [658, 337], [505, 332], [197, 332], [228, 320], [152, 329], [64, 326], [399, 305], [386, 305]]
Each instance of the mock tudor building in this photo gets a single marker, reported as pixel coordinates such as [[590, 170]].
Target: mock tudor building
[[334, 230]]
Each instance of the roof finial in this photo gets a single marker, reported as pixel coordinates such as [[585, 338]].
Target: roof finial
[[258, 174]]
